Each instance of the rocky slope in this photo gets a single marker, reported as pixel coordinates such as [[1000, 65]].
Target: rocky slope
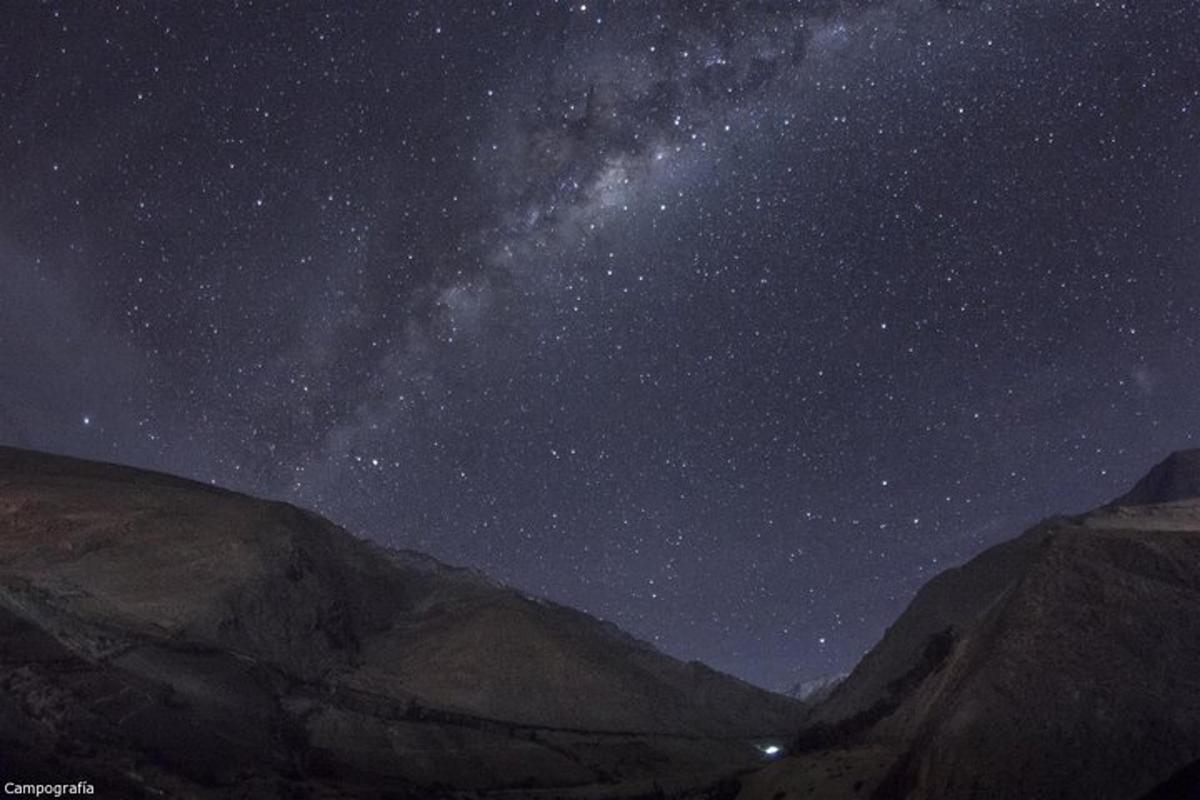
[[1062, 664], [168, 638]]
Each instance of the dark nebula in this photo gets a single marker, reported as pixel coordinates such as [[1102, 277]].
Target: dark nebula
[[731, 323]]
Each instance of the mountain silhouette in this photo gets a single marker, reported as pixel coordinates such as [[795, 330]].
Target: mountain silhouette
[[167, 638], [1062, 664]]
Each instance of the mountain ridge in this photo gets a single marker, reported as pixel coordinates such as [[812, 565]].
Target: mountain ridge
[[1175, 478], [335, 662], [1062, 663]]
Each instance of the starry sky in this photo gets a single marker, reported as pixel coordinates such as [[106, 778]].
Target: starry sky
[[731, 323]]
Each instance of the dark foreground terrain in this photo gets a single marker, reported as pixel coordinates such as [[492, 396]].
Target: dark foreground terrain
[[1063, 664], [162, 638], [165, 639]]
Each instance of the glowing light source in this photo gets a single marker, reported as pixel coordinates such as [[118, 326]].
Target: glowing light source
[[770, 750]]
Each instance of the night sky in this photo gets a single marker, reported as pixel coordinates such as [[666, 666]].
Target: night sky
[[731, 323]]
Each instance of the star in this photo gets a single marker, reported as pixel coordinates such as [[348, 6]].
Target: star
[[754, 266]]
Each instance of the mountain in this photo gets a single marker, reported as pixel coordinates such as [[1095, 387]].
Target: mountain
[[167, 638], [1062, 664], [1176, 478], [815, 690]]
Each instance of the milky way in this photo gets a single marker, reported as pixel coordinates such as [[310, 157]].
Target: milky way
[[731, 323]]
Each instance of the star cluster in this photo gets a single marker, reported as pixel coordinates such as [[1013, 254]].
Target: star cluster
[[732, 323]]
